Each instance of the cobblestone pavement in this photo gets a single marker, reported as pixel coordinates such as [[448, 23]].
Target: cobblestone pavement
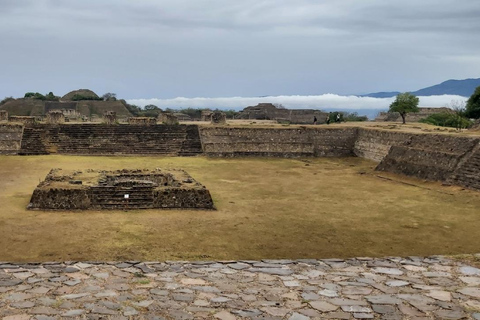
[[362, 288]]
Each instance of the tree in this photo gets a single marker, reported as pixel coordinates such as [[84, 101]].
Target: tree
[[109, 96], [473, 105], [404, 103]]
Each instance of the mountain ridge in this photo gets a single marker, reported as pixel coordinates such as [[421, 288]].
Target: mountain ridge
[[464, 88]]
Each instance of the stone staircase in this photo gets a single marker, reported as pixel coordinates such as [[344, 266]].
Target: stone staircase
[[95, 139], [111, 197], [467, 173], [33, 141]]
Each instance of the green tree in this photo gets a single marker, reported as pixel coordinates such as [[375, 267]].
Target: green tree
[[404, 103], [473, 105]]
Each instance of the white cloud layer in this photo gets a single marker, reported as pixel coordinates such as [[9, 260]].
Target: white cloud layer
[[324, 101]]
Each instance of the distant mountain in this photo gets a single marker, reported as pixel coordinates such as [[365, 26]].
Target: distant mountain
[[464, 88]]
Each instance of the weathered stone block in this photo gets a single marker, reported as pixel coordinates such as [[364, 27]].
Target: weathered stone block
[[23, 119], [142, 121], [168, 119], [3, 115], [110, 117], [219, 118], [55, 117]]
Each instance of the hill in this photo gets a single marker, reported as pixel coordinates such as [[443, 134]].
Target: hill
[[92, 105], [464, 88]]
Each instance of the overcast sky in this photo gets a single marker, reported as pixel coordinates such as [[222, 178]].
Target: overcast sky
[[165, 49]]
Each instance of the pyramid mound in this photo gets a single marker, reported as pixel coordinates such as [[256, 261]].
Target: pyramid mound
[[81, 92]]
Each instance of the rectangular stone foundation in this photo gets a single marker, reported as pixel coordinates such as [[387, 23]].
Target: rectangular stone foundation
[[122, 189]]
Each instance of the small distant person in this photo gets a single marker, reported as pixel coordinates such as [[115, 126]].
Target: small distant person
[[338, 117], [328, 119], [314, 119]]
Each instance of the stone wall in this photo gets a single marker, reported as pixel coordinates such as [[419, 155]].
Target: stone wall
[[55, 117], [98, 139], [143, 121], [426, 156], [467, 172], [284, 142], [26, 120], [3, 115], [10, 138]]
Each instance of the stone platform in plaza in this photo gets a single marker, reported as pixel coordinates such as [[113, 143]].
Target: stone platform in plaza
[[363, 288]]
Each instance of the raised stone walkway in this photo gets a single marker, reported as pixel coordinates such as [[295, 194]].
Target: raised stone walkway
[[362, 288]]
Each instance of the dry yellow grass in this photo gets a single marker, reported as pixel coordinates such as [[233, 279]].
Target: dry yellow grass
[[267, 208]]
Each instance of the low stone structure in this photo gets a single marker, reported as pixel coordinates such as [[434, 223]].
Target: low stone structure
[[182, 116], [10, 138], [55, 117], [142, 121], [26, 120], [218, 117], [412, 116], [206, 115], [268, 111], [167, 118], [3, 115], [122, 189], [110, 117]]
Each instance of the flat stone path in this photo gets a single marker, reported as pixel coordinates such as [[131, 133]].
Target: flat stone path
[[361, 288]]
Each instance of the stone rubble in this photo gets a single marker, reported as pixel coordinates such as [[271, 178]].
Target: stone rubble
[[362, 288]]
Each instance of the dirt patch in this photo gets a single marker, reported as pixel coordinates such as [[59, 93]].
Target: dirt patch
[[277, 208]]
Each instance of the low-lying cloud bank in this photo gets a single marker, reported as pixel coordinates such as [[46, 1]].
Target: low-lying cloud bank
[[324, 101]]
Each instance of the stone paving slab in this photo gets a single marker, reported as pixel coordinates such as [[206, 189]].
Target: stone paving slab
[[362, 288]]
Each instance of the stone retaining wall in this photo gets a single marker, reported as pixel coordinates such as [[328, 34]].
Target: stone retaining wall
[[426, 156], [285, 142], [10, 138]]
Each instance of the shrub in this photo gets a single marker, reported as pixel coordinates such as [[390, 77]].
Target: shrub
[[79, 97], [353, 116], [35, 95], [446, 119]]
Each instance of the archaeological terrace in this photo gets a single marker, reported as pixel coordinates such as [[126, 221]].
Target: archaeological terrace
[[449, 158]]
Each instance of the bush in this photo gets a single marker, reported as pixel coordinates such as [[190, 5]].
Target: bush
[[51, 97], [446, 119], [35, 95], [353, 116], [79, 97]]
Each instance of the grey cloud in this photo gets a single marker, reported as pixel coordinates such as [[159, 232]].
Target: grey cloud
[[191, 48], [326, 101]]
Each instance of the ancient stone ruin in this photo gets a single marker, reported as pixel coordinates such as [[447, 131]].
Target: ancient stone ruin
[[206, 115], [26, 120], [55, 116], [110, 117], [219, 117], [3, 115], [168, 119], [142, 121], [121, 189], [268, 111]]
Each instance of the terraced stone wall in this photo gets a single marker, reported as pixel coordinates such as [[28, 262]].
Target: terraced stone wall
[[96, 139], [276, 142], [426, 156], [10, 138]]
